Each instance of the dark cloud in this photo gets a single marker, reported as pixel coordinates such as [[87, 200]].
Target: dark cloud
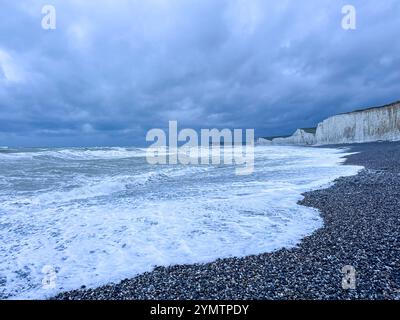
[[114, 69]]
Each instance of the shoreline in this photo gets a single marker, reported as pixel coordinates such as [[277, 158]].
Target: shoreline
[[361, 229]]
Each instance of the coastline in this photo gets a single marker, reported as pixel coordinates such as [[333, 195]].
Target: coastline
[[361, 228]]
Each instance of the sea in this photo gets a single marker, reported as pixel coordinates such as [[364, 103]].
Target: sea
[[90, 216]]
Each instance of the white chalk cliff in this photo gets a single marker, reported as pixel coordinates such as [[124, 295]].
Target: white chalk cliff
[[263, 142], [300, 137], [374, 124], [367, 125]]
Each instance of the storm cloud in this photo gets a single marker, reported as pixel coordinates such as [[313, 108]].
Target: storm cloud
[[112, 70]]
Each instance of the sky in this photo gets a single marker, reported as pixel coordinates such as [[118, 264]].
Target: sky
[[113, 69]]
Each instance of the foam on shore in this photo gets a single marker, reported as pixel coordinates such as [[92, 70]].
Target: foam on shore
[[110, 217]]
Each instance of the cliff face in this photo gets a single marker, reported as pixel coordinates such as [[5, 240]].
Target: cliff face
[[373, 124], [361, 126], [300, 137], [264, 142]]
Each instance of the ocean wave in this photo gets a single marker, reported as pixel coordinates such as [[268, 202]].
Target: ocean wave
[[74, 154], [86, 187], [101, 222]]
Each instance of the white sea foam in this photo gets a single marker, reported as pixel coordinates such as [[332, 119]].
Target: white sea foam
[[97, 221]]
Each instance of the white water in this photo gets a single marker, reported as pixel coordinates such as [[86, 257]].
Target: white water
[[101, 215]]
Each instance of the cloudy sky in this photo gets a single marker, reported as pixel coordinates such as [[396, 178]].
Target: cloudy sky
[[113, 69]]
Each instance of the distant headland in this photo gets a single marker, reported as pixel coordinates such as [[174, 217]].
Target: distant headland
[[364, 125]]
